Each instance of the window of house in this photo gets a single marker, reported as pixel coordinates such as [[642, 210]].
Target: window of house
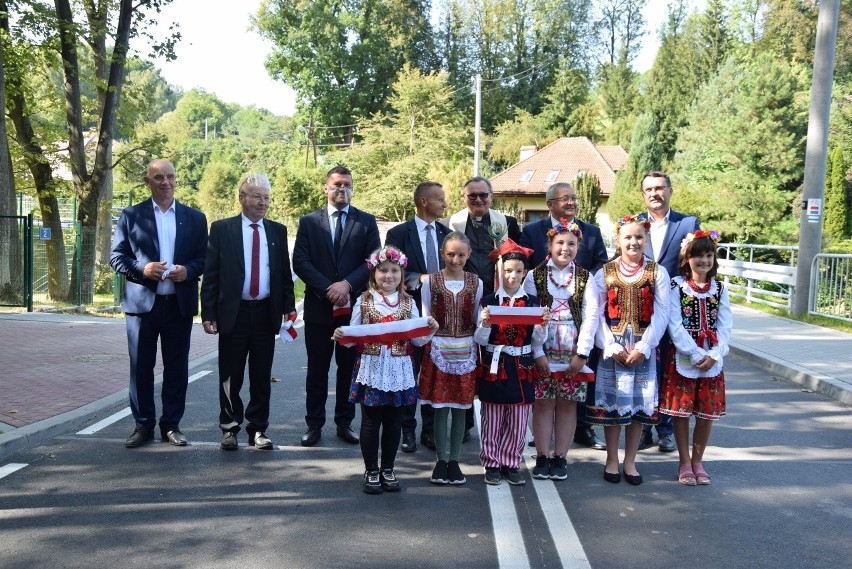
[[527, 175], [552, 176]]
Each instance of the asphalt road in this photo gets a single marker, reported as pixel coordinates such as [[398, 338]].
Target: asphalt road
[[781, 496]]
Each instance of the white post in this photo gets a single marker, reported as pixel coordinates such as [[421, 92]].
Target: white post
[[477, 86]]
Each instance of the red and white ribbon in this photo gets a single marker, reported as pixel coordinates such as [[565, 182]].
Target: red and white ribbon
[[385, 332], [341, 311], [501, 315], [288, 333], [558, 371]]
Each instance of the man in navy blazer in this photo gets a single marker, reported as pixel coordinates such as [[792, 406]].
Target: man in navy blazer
[[410, 238], [329, 255], [159, 246], [591, 255], [247, 289], [668, 228]]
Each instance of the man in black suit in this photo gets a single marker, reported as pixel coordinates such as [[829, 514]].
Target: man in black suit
[[247, 288], [159, 246], [420, 238], [591, 255], [332, 245], [668, 228], [487, 229]]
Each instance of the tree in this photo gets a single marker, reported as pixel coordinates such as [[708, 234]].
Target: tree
[[646, 155], [11, 277], [836, 198], [588, 189], [524, 129], [341, 57], [743, 147], [623, 25]]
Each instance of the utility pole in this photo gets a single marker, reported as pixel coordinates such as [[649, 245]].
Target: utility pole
[[477, 87], [810, 224]]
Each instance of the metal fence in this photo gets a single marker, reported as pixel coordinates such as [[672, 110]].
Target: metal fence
[[831, 289], [16, 255], [765, 274]]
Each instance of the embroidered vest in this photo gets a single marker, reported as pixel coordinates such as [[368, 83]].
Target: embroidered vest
[[456, 312], [691, 308], [629, 303], [369, 315], [575, 303]]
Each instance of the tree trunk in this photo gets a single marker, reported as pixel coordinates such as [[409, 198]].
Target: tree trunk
[[11, 257]]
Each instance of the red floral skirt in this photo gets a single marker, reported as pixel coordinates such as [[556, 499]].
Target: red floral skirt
[[442, 389], [684, 396]]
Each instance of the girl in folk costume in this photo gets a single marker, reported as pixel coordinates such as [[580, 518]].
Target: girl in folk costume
[[448, 373], [383, 378], [563, 286], [700, 328], [508, 374], [633, 293]]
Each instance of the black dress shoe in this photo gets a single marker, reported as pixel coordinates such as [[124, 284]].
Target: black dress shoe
[[634, 480], [585, 436], [409, 442], [260, 441], [427, 440], [139, 437], [311, 436], [666, 444], [347, 435], [229, 441], [646, 440], [175, 437], [615, 477]]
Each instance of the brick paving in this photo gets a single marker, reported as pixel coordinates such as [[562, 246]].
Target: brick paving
[[52, 363]]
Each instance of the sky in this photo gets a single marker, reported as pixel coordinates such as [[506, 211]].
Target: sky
[[219, 53]]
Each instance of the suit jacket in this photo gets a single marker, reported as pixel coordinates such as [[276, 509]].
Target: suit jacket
[[225, 273], [406, 238], [136, 244], [314, 262], [591, 255], [678, 227]]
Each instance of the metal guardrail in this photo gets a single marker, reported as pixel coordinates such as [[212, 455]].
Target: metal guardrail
[[747, 274], [831, 286]]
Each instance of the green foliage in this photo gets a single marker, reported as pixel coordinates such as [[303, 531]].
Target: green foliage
[[646, 155], [744, 145], [836, 197], [200, 109], [618, 94], [525, 129], [588, 189], [566, 103]]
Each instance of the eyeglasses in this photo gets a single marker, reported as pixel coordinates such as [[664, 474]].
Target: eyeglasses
[[565, 199], [259, 199], [654, 190], [482, 196], [336, 188]]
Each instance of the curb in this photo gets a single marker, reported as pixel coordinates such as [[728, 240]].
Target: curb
[[838, 390], [31, 435]]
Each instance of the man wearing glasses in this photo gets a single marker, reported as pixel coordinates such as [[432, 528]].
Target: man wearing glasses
[[487, 229], [247, 289], [591, 255], [668, 228], [328, 255], [159, 246]]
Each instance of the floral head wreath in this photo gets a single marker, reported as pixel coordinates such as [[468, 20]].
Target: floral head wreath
[[564, 227], [639, 218], [690, 237], [387, 254]]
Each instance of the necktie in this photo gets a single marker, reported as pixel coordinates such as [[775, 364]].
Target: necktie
[[338, 231], [431, 254], [254, 283]]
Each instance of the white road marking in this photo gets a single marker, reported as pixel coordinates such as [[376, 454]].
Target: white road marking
[[90, 430], [105, 422], [511, 551], [10, 468]]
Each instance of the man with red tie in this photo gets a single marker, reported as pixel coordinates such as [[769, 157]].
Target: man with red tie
[[246, 291]]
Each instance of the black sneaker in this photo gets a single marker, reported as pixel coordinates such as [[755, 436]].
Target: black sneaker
[[439, 473], [389, 481], [558, 468], [454, 473], [514, 477], [542, 468], [372, 482], [492, 476]]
